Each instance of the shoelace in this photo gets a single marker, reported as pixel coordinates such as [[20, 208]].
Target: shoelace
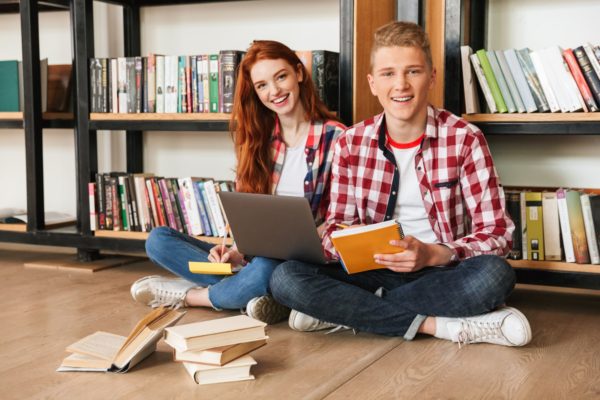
[[168, 298], [475, 331]]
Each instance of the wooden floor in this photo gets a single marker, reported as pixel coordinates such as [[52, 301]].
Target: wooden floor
[[44, 311]]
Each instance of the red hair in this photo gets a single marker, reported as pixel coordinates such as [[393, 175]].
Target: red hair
[[252, 123]]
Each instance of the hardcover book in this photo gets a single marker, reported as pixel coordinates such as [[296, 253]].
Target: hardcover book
[[213, 77], [580, 247], [9, 82], [215, 333], [229, 60], [565, 225], [237, 370], [219, 355], [491, 80], [590, 231], [532, 80], [102, 351], [356, 246], [582, 85], [510, 81], [510, 104], [520, 80], [513, 207], [483, 83], [325, 75], [552, 248], [470, 87], [535, 228]]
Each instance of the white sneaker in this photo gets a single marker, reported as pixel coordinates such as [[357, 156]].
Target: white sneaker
[[305, 323], [266, 309], [506, 326], [156, 291]]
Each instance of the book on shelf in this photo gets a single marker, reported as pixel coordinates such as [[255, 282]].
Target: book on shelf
[[545, 80], [535, 228], [523, 232], [595, 209], [9, 82], [520, 80], [103, 351], [213, 82], [325, 76], [469, 84], [60, 78], [229, 61], [592, 79], [357, 245], [491, 80], [582, 85], [592, 57], [483, 83], [502, 84], [565, 225], [237, 370], [513, 207], [590, 231], [550, 220], [580, 247], [215, 333], [532, 79], [561, 79], [218, 355], [510, 81]]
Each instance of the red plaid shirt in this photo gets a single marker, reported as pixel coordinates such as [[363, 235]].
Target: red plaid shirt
[[458, 182]]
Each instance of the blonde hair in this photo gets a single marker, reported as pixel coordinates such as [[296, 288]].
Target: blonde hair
[[402, 34]]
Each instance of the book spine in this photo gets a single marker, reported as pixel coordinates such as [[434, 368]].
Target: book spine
[[532, 80], [523, 209], [116, 206], [590, 234], [92, 205], [191, 205], [201, 209], [145, 84], [213, 68], [166, 203], [123, 203], [535, 230], [135, 213], [188, 85], [228, 62], [485, 87], [513, 207], [160, 84], [152, 83], [595, 208], [139, 84], [181, 86], [104, 86], [101, 201], [205, 84], [142, 206], [510, 105], [172, 190], [582, 85], [471, 96], [325, 74], [185, 218], [211, 194], [552, 249], [153, 203], [544, 78], [131, 78], [209, 212], [565, 226], [122, 84], [590, 76], [492, 82], [593, 60], [510, 81], [582, 253], [108, 201], [520, 80], [194, 80]]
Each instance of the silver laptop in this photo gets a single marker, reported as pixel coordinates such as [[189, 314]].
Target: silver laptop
[[279, 227]]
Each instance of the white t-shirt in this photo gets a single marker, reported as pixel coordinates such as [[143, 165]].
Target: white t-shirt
[[293, 173], [409, 204]]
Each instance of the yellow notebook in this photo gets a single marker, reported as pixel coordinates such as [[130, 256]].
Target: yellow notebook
[[356, 246], [211, 268]]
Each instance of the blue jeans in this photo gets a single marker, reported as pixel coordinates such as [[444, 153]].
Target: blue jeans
[[474, 286], [173, 250]]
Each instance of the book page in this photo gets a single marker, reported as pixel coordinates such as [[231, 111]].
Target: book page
[[102, 345]]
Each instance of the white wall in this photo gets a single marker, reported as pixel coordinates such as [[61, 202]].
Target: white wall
[[545, 160], [183, 29]]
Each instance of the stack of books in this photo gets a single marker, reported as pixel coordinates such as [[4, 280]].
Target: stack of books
[[216, 351]]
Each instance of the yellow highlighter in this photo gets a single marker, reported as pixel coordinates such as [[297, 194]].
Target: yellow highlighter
[[212, 268]]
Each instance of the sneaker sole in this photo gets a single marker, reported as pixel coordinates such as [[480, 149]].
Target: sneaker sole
[[134, 284], [271, 312], [525, 322]]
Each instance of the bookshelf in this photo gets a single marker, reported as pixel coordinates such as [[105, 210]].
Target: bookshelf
[[465, 23]]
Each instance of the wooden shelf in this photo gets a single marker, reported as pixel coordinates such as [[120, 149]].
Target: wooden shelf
[[144, 236], [161, 121], [13, 227], [160, 117], [555, 266], [534, 117], [11, 116]]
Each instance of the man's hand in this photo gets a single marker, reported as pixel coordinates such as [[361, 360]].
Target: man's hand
[[414, 255], [223, 254]]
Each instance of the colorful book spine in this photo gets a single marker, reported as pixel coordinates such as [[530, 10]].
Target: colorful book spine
[[582, 85], [535, 227], [9, 83], [590, 233], [491, 79], [589, 74], [213, 74], [92, 205], [510, 104], [229, 61], [206, 228], [485, 87], [510, 81], [532, 80], [520, 80], [552, 248]]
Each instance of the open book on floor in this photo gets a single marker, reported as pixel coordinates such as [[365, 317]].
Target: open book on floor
[[102, 351], [357, 245]]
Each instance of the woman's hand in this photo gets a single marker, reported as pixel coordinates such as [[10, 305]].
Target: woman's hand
[[223, 254]]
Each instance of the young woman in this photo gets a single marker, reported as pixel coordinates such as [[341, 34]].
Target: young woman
[[284, 137]]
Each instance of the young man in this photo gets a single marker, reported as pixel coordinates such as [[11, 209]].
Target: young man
[[433, 172]]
